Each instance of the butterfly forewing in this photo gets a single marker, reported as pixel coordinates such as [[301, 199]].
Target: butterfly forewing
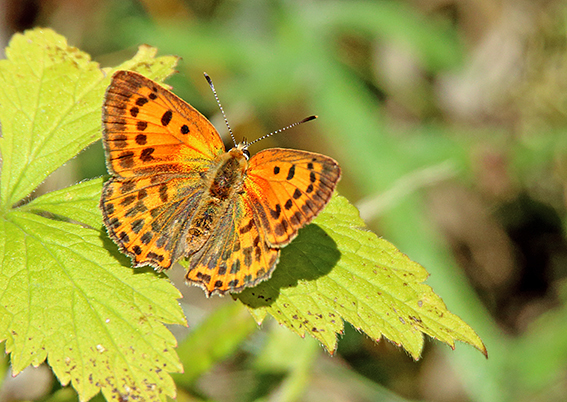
[[286, 192], [146, 128]]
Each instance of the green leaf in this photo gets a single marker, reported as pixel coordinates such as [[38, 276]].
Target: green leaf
[[66, 298], [78, 203], [66, 294], [337, 270], [147, 64], [51, 96]]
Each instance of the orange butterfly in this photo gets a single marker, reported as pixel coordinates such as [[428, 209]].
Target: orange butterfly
[[175, 192]]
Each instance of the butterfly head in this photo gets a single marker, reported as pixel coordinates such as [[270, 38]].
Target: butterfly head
[[243, 147]]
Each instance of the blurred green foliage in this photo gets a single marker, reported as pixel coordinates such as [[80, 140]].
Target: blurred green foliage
[[449, 122]]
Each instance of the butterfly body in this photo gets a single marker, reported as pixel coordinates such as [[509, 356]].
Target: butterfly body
[[175, 192], [222, 183]]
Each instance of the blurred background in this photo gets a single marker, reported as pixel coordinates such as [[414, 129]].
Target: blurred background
[[449, 120]]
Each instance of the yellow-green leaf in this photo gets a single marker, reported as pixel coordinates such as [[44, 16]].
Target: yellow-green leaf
[[338, 270], [66, 294]]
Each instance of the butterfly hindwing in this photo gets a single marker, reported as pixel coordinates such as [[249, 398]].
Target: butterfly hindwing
[[238, 257], [287, 188], [146, 216]]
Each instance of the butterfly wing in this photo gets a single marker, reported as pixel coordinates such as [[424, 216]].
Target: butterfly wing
[[287, 188], [148, 129], [237, 256], [146, 216], [157, 148]]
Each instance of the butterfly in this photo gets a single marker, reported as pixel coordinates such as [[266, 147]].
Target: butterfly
[[175, 192]]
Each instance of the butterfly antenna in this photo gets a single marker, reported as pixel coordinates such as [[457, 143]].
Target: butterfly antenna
[[210, 81], [283, 129]]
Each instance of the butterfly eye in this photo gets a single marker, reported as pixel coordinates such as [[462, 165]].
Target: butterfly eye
[[246, 154]]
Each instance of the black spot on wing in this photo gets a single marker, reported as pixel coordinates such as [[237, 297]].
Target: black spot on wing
[[141, 101], [146, 154], [155, 256], [119, 141], [114, 223], [312, 177], [146, 237], [279, 229], [142, 194], [137, 225], [291, 173], [127, 186], [141, 125], [141, 139], [124, 238], [233, 283], [247, 227], [166, 118], [276, 212], [126, 159], [247, 251], [109, 208], [163, 193], [128, 200], [235, 268]]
